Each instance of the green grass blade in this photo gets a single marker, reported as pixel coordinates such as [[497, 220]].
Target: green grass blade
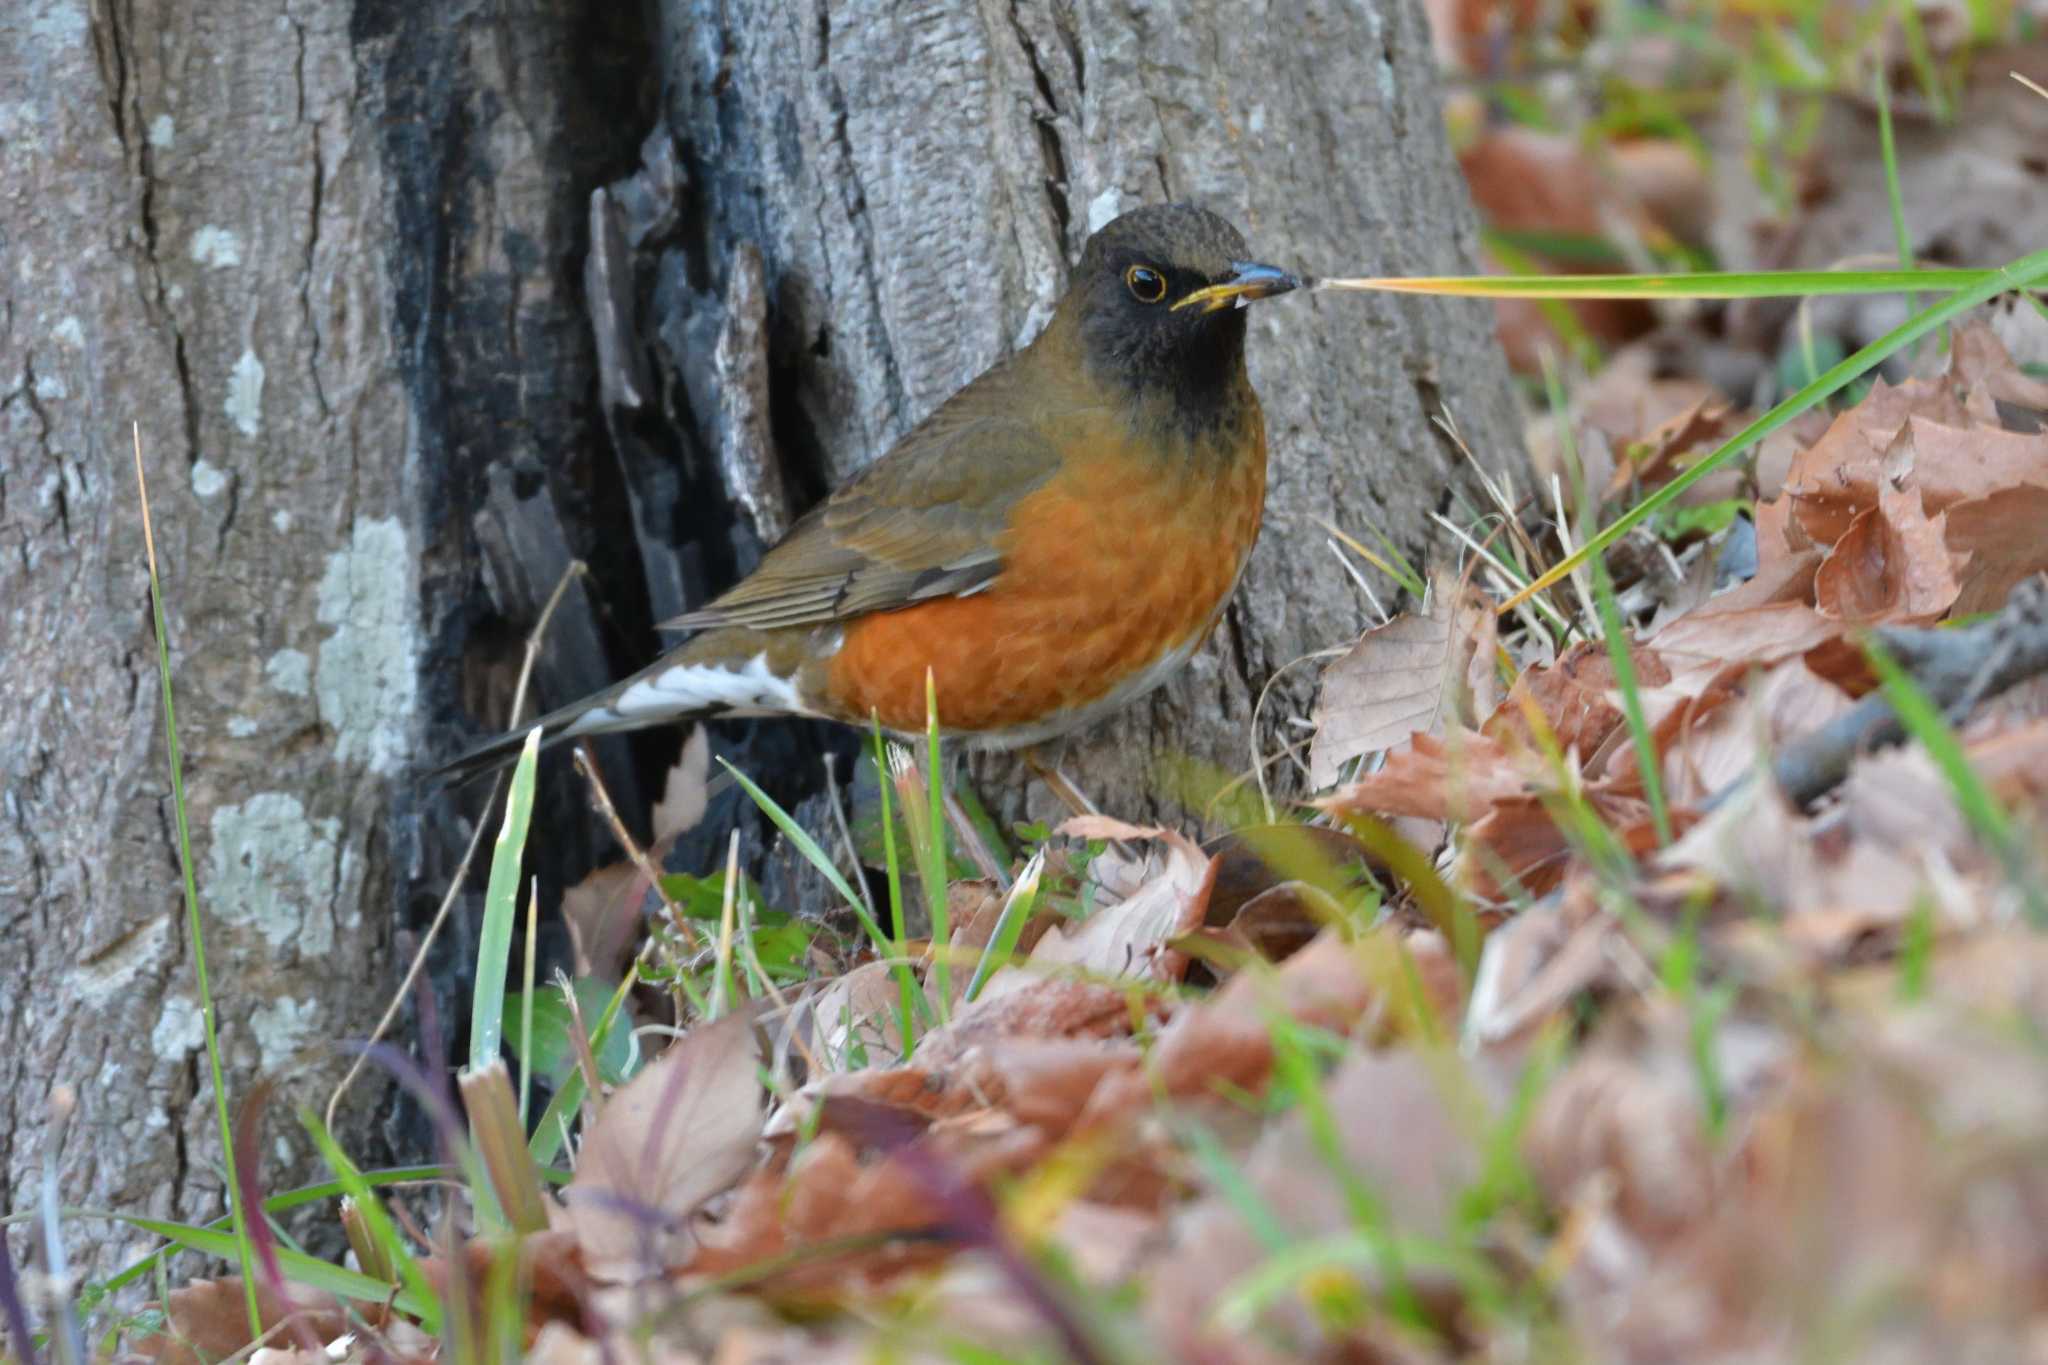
[[526, 1000], [427, 1301], [1888, 152], [547, 1134], [906, 992], [1751, 284], [1562, 320], [1234, 1186], [282, 1202], [1923, 720], [1009, 925], [936, 879], [1626, 683], [1920, 56], [244, 1251], [501, 907], [2024, 273], [816, 857], [298, 1266], [1283, 1274]]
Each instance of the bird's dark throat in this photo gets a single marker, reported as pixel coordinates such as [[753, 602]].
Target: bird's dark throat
[[1188, 378]]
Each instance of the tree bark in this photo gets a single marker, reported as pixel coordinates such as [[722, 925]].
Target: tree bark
[[188, 219], [322, 254], [917, 178], [397, 362]]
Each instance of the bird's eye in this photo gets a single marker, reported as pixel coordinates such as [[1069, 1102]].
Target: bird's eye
[[1146, 284]]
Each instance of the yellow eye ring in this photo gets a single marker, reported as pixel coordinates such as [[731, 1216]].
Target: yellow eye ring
[[1146, 284]]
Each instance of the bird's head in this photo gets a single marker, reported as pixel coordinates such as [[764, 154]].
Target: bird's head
[[1158, 301]]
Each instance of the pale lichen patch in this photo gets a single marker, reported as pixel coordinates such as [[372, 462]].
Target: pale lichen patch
[[218, 247], [272, 869], [367, 673], [245, 394], [163, 131], [58, 25], [179, 1029], [290, 671], [282, 1029], [208, 478]]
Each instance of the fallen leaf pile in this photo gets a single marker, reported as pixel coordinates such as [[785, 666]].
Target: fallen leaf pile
[[1484, 1065]]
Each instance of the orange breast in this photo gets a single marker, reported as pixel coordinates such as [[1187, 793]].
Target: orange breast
[[1115, 564]]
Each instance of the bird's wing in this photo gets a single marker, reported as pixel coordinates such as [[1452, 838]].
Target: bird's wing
[[926, 520]]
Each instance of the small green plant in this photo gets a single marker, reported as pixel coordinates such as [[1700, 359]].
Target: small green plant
[[244, 1253]]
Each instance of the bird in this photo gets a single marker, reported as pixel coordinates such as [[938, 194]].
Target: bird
[[1052, 542]]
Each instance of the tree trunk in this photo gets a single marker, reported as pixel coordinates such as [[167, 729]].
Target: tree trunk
[[917, 177], [397, 363], [192, 242], [324, 256]]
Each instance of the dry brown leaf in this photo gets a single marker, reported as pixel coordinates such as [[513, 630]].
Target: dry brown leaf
[[1332, 984], [1630, 1118], [1280, 921], [1892, 565], [209, 1320], [1402, 678], [1517, 848], [855, 1016], [1837, 477], [1705, 656], [2002, 538], [1658, 455], [1628, 399], [1786, 561], [1753, 846], [603, 915], [1532, 967], [561, 1344], [1453, 778], [1018, 1003], [1576, 697], [1405, 1120], [686, 792], [1127, 938], [1978, 359], [679, 1132], [1130, 938], [1956, 464], [1253, 860], [1788, 701]]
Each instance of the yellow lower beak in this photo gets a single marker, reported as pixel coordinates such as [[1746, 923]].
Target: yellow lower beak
[[1248, 280]]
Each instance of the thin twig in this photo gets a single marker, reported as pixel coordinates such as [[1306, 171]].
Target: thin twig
[[1261, 760], [1956, 668], [972, 843], [858, 879], [637, 854], [1057, 782]]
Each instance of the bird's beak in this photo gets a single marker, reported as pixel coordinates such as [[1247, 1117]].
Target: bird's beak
[[1247, 280]]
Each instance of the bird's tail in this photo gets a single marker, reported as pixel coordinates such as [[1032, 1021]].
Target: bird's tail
[[729, 672]]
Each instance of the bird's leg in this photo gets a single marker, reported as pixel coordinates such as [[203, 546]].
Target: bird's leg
[[1056, 782]]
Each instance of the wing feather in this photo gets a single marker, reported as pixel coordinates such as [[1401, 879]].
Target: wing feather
[[924, 521]]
